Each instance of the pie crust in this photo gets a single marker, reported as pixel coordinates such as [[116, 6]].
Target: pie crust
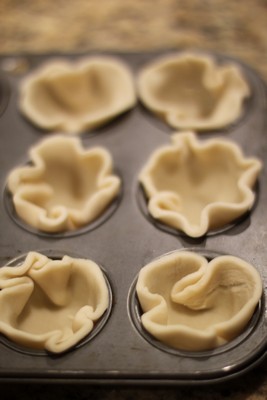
[[193, 91], [196, 186], [51, 304], [65, 187], [191, 304], [77, 96]]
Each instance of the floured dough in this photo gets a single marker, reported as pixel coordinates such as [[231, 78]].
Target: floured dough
[[196, 186], [192, 91], [65, 187], [51, 304], [77, 96], [191, 304]]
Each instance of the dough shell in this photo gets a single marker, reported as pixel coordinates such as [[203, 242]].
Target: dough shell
[[197, 186], [74, 97], [65, 187], [193, 91], [191, 304], [51, 304]]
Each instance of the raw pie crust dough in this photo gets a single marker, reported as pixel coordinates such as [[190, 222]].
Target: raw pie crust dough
[[191, 91], [192, 304], [196, 186], [66, 187], [51, 304], [77, 96]]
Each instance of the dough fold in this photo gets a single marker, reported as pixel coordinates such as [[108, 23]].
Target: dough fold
[[65, 187], [74, 97], [196, 186], [193, 91], [191, 304], [51, 304]]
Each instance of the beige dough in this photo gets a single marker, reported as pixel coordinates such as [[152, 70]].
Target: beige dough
[[192, 91], [77, 96], [196, 186], [191, 304], [66, 187], [51, 304]]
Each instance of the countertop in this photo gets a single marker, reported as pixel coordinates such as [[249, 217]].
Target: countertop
[[234, 28]]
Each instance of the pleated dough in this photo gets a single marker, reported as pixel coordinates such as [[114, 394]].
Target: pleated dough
[[189, 303], [65, 187], [77, 96], [196, 186], [51, 304], [192, 91]]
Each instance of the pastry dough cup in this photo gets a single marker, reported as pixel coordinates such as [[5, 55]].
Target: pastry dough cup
[[77, 96], [191, 304], [192, 91], [196, 186], [66, 187], [52, 304]]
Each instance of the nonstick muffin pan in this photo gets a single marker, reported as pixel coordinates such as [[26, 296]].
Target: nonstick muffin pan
[[125, 239]]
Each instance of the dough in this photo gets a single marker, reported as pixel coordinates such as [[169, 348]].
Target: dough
[[192, 91], [196, 186], [77, 96], [191, 304], [65, 187], [51, 304]]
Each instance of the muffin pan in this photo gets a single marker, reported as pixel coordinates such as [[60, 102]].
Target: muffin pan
[[125, 239]]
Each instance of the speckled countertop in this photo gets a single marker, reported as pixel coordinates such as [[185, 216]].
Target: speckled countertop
[[236, 28]]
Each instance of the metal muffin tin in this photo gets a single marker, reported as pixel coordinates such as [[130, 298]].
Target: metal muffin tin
[[125, 240]]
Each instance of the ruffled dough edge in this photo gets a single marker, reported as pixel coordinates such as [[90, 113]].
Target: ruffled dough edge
[[86, 122], [182, 337], [63, 218], [232, 111], [20, 279], [230, 212]]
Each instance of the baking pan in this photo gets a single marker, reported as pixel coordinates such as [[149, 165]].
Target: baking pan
[[125, 239]]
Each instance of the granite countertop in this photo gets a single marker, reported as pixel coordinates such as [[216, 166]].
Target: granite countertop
[[234, 28]]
